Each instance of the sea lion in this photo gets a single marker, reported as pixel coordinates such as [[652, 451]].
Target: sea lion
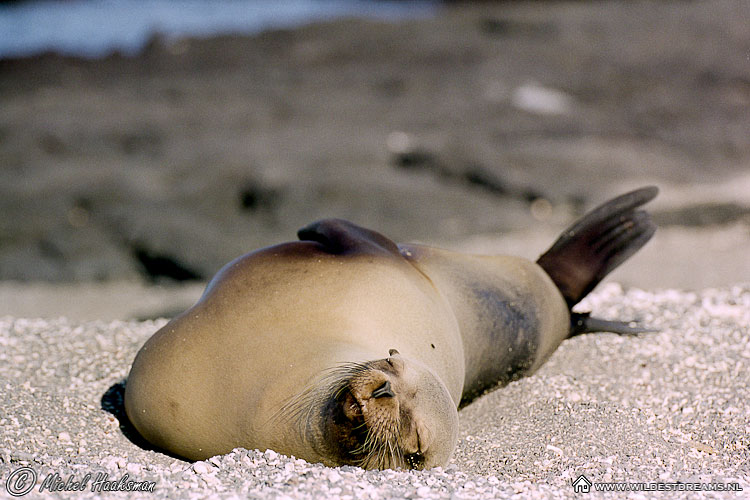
[[346, 348]]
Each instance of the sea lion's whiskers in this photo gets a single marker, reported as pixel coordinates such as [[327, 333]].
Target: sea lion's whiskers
[[391, 453], [334, 381], [381, 454], [370, 450]]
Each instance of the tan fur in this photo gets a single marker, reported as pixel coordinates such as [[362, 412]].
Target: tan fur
[[273, 325]]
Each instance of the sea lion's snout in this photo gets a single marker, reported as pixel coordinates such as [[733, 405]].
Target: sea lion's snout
[[390, 409]]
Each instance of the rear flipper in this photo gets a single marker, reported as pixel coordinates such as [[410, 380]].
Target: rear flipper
[[583, 323], [593, 247]]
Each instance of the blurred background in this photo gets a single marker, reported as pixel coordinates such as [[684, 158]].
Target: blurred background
[[145, 143]]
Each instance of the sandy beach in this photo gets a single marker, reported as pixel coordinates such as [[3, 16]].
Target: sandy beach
[[661, 407]]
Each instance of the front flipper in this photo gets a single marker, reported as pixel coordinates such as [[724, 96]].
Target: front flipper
[[339, 236], [581, 323]]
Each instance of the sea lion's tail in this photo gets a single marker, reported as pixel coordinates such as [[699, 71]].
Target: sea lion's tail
[[594, 246]]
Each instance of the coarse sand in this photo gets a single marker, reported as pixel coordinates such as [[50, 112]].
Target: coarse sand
[[662, 407]]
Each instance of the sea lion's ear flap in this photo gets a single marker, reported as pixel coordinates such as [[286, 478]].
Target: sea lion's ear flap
[[339, 236], [394, 359]]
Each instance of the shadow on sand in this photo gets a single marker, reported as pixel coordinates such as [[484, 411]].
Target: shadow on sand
[[113, 402]]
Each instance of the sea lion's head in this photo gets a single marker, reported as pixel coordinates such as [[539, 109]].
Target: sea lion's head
[[388, 413]]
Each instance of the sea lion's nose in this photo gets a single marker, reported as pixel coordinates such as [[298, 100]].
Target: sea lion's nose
[[384, 391]]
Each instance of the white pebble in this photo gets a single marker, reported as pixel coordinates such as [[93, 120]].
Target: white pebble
[[534, 98], [398, 142], [554, 448], [423, 491], [200, 468]]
